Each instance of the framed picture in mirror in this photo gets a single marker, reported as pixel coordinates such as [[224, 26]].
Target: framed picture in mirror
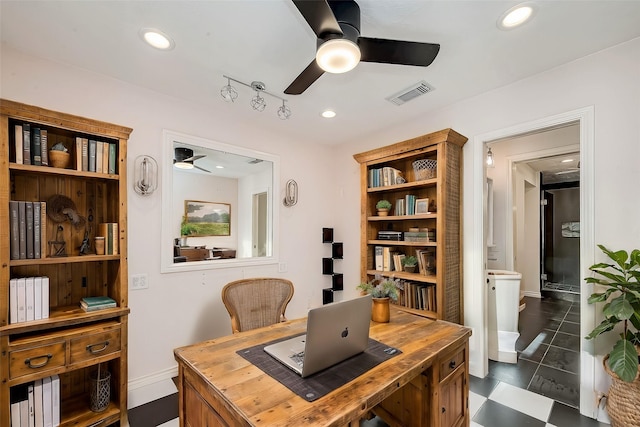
[[208, 218]]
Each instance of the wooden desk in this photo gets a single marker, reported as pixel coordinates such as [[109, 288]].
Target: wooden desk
[[426, 385]]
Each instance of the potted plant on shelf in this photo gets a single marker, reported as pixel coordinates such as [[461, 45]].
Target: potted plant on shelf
[[409, 263], [621, 282], [59, 156], [186, 229], [383, 290], [383, 207]]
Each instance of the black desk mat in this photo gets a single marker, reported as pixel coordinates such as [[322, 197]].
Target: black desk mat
[[319, 384]]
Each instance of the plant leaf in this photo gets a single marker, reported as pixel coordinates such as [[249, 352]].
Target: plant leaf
[[620, 257], [619, 307], [604, 326], [623, 360]]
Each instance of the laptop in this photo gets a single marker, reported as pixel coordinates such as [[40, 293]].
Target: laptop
[[335, 332]]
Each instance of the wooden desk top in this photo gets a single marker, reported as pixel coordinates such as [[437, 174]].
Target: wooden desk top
[[258, 399]]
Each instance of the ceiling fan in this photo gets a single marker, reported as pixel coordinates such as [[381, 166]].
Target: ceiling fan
[[340, 46], [184, 159]]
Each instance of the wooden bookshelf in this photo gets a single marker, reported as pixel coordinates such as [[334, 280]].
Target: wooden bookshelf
[[72, 342], [443, 188]]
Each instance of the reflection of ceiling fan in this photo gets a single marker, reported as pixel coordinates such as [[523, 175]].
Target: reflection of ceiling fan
[[184, 159], [340, 46], [569, 170]]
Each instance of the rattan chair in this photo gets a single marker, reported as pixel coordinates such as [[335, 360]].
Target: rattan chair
[[258, 302]]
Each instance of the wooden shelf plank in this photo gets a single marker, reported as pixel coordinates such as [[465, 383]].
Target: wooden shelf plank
[[63, 260], [401, 243], [402, 217], [415, 277], [407, 185], [61, 317], [60, 171]]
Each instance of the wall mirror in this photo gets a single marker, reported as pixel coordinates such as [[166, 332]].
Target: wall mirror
[[219, 205]]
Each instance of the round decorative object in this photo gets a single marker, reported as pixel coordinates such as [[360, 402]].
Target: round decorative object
[[59, 159], [380, 311], [61, 208]]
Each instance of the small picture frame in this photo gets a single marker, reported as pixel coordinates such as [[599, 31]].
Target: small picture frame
[[422, 206]]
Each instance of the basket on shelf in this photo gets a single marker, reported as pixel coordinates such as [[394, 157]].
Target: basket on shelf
[[425, 169]]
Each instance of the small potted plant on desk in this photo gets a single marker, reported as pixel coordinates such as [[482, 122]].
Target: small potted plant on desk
[[409, 263], [621, 279], [186, 229], [383, 207], [383, 290]]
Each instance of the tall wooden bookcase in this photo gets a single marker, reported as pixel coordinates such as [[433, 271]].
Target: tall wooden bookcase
[[70, 343], [388, 173]]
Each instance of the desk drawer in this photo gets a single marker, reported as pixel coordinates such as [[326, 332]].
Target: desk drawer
[[450, 363], [96, 345], [36, 359]]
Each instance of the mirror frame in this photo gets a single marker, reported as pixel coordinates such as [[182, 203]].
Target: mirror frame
[[167, 236]]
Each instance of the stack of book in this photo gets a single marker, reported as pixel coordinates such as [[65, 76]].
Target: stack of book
[[28, 299], [36, 403], [96, 156], [28, 229], [97, 303]]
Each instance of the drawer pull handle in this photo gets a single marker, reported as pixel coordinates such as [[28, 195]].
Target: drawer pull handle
[[90, 347], [46, 358], [452, 364]]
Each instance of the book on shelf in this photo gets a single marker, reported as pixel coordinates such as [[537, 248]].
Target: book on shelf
[[17, 133], [99, 151], [30, 298], [44, 147], [14, 233], [105, 157], [36, 147], [92, 155], [55, 400], [29, 225], [37, 245], [47, 404], [26, 143], [113, 159], [390, 235], [22, 229], [38, 403], [378, 262]]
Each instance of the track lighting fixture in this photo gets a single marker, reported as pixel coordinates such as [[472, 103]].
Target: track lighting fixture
[[258, 102]]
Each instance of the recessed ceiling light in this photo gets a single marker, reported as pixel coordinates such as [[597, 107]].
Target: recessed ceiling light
[[515, 16], [157, 39], [328, 114], [567, 160], [219, 167]]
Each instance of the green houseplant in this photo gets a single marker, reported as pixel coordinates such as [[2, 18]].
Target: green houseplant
[[382, 289], [621, 297], [383, 207], [186, 229], [622, 282], [409, 263]]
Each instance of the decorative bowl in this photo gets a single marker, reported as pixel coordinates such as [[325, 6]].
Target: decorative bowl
[[59, 159]]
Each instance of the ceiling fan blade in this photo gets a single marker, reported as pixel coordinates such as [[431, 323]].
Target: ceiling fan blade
[[202, 169], [305, 79], [319, 16], [397, 51], [194, 158]]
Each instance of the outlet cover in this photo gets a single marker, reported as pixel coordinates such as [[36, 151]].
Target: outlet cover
[[139, 281]]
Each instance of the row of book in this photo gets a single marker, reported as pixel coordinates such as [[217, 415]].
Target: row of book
[[385, 176], [389, 258], [36, 404], [411, 205], [31, 144], [109, 230], [28, 299], [28, 226], [97, 303], [421, 296], [96, 156]]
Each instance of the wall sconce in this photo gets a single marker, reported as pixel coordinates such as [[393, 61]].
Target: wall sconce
[[290, 193], [490, 162], [258, 102], [145, 180]]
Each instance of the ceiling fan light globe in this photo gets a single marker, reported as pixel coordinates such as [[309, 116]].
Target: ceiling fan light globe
[[338, 56], [183, 165]]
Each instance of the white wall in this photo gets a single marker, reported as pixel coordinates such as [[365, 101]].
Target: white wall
[[183, 308]]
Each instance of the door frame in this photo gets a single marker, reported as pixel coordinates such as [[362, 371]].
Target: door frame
[[475, 258]]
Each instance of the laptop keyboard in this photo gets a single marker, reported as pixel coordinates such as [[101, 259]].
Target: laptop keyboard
[[298, 358]]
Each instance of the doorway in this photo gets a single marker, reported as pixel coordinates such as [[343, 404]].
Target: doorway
[[476, 261]]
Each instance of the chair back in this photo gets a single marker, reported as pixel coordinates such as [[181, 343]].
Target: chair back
[[254, 303]]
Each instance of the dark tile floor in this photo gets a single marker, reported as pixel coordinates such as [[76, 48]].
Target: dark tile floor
[[548, 351]]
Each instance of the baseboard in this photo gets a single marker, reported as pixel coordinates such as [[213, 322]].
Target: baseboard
[[151, 387], [532, 294]]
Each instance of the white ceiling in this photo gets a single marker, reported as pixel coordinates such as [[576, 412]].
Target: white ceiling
[[270, 41]]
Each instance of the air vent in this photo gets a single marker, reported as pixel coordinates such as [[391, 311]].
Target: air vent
[[410, 93]]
